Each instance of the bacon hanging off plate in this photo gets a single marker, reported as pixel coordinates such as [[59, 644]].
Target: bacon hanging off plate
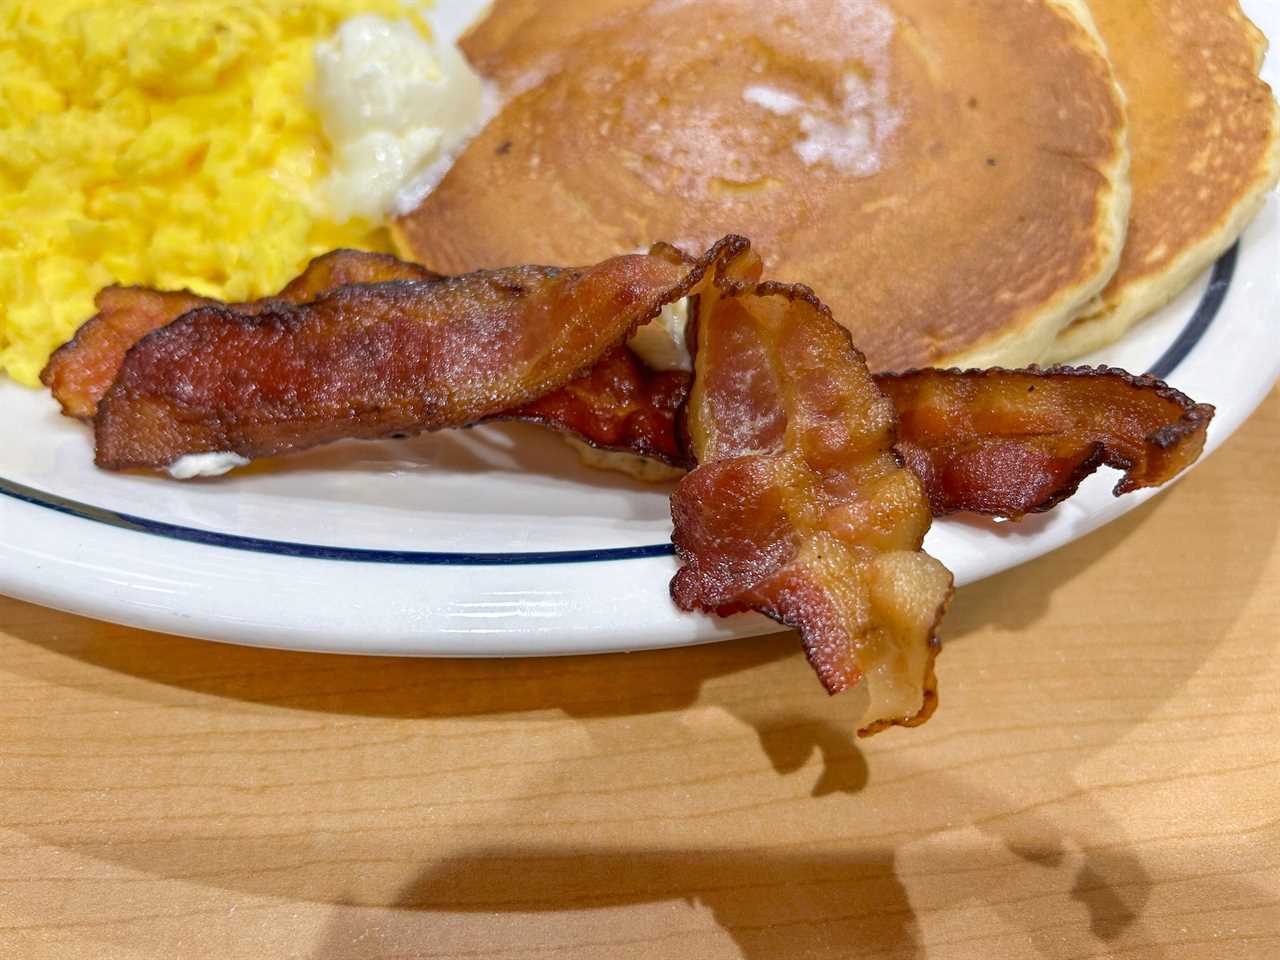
[[799, 508], [1013, 442], [799, 505], [81, 370], [373, 360]]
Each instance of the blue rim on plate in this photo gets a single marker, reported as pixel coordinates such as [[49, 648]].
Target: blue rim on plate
[[1201, 320]]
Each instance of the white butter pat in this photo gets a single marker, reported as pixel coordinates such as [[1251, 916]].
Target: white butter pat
[[205, 465], [661, 343], [396, 107]]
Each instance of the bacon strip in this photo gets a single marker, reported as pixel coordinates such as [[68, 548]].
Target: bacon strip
[[372, 360], [1013, 442], [798, 505], [799, 508], [81, 370], [620, 405], [1004, 443]]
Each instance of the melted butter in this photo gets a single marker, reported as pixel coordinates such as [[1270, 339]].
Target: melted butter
[[849, 135], [661, 343], [396, 108]]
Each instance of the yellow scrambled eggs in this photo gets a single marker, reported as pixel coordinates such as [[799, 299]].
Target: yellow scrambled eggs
[[166, 144]]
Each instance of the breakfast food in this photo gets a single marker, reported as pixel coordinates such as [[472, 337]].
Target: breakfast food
[[396, 103], [810, 489], [80, 371], [171, 145], [952, 176], [212, 145], [372, 360], [620, 407], [1204, 131], [1013, 442], [894, 155], [519, 42], [798, 507], [999, 442]]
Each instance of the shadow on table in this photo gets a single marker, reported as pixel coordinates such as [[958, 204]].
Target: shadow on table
[[593, 686], [772, 902], [771, 905], [652, 682]]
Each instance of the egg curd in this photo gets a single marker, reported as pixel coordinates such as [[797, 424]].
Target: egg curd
[[165, 144]]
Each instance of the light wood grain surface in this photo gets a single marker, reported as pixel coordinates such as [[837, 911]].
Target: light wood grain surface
[[1103, 779]]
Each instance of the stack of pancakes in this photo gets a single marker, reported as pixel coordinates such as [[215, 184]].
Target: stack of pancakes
[[982, 183]]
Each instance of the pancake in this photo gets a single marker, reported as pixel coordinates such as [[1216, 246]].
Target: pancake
[[950, 178], [1205, 138], [521, 41]]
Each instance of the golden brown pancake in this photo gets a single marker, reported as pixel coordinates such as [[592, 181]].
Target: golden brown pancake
[[520, 41], [949, 177], [1205, 140]]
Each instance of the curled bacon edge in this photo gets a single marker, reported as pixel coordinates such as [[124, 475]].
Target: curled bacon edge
[[81, 371], [798, 507]]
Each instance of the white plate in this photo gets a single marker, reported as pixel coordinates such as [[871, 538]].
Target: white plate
[[493, 541]]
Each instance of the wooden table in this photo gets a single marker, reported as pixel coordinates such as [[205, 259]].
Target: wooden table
[[1103, 779]]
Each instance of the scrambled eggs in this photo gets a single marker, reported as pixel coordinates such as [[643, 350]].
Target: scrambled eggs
[[166, 144]]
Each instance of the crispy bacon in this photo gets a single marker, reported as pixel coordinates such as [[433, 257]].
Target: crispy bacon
[[619, 405], [799, 504], [1004, 443], [1013, 442], [799, 508], [81, 370], [342, 268], [373, 360], [999, 442]]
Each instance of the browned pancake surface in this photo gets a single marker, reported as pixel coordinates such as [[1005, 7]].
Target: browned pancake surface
[[1203, 136], [985, 208]]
